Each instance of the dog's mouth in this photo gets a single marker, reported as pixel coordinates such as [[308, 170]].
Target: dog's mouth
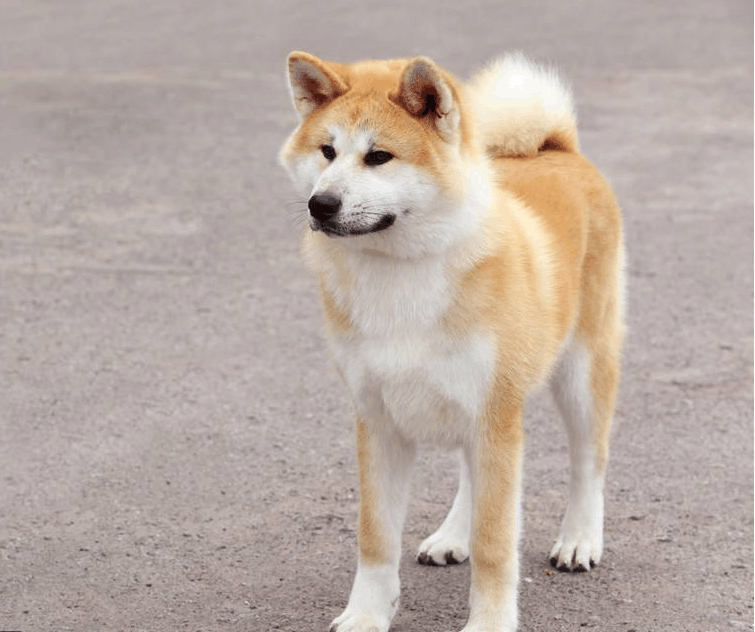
[[337, 229]]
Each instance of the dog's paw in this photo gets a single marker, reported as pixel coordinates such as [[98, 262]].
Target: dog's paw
[[442, 549], [358, 622], [579, 546], [578, 552]]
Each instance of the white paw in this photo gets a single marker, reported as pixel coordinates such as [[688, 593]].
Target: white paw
[[443, 548], [579, 546], [373, 601], [358, 622], [578, 556], [494, 617]]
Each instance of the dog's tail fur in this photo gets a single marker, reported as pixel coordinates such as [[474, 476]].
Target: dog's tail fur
[[521, 108]]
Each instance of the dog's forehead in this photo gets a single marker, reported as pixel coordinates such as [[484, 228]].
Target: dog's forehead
[[352, 139], [364, 119]]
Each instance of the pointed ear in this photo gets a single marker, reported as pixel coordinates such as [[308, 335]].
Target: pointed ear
[[313, 84], [425, 94]]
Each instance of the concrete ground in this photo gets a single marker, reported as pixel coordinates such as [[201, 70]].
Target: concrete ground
[[175, 446]]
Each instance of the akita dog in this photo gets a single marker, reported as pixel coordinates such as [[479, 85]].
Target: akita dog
[[465, 252]]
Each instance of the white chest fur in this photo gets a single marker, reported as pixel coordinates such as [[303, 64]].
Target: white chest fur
[[399, 362]]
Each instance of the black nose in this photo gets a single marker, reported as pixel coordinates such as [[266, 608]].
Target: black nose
[[324, 206]]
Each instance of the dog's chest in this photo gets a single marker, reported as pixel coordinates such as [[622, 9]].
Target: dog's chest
[[404, 367]]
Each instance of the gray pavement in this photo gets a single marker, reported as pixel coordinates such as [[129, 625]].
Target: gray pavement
[[175, 447]]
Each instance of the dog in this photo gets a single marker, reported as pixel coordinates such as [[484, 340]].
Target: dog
[[466, 252]]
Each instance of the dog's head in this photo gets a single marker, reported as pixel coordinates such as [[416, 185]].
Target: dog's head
[[382, 150]]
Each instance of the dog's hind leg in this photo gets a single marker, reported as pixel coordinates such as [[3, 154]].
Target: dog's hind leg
[[450, 543], [584, 387]]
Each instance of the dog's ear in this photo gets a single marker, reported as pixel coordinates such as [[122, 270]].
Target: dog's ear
[[425, 94], [313, 84]]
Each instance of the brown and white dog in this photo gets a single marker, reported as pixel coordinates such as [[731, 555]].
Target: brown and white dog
[[466, 252]]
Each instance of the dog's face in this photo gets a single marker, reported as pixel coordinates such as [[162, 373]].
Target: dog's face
[[378, 152]]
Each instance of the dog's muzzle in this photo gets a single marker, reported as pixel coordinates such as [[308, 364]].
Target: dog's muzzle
[[323, 209]]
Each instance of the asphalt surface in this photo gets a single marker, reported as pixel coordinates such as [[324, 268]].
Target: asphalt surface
[[175, 446]]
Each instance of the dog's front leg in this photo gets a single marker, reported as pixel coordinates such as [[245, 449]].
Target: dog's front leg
[[385, 462], [495, 457]]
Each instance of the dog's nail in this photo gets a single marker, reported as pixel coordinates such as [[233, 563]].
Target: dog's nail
[[450, 559], [426, 559]]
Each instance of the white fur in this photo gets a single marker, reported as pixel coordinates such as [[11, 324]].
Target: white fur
[[518, 104], [452, 537], [403, 363], [373, 601], [431, 388], [580, 540], [428, 223]]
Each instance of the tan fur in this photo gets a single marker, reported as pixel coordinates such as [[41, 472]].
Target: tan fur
[[372, 546], [499, 470]]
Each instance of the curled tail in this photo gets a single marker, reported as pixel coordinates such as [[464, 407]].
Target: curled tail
[[521, 108]]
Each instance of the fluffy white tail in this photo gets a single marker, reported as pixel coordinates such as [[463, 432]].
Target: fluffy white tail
[[521, 108]]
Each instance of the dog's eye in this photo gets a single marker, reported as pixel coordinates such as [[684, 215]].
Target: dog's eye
[[328, 152], [375, 158]]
